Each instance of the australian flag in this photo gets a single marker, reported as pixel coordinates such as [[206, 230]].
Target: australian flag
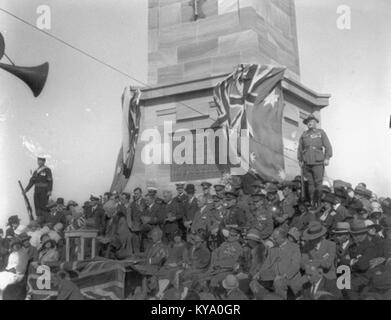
[[251, 98]]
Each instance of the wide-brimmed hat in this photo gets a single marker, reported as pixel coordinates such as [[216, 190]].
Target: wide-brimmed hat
[[314, 231], [230, 282], [358, 227], [309, 118], [341, 228], [370, 224], [52, 242], [24, 236], [362, 191], [254, 234]]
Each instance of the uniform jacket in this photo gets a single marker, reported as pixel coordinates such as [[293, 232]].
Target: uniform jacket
[[234, 216], [311, 145], [191, 207], [157, 213], [42, 179], [157, 254], [214, 218], [326, 255], [98, 213], [263, 222], [200, 218], [280, 261], [181, 201], [288, 205], [227, 255]]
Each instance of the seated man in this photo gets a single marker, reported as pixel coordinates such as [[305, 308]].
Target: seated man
[[155, 256], [260, 219], [196, 258], [226, 258], [281, 268], [318, 285], [16, 267], [316, 247], [361, 252]]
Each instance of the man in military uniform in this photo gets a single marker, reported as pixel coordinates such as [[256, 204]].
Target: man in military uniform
[[261, 219], [219, 189], [206, 195], [156, 254], [226, 258], [232, 214], [42, 179], [313, 158]]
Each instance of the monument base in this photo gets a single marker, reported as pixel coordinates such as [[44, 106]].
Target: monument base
[[189, 105]]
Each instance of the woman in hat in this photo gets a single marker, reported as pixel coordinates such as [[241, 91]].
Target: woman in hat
[[16, 267], [48, 252], [374, 237], [31, 251], [13, 224], [254, 252]]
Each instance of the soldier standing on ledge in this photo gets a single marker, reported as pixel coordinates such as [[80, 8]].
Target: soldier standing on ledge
[[43, 180], [314, 153]]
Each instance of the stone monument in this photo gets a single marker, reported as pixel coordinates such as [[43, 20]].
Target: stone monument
[[193, 45]]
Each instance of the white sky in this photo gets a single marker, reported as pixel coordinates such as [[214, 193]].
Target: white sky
[[77, 118]]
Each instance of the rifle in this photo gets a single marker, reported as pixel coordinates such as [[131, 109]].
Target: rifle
[[27, 202]]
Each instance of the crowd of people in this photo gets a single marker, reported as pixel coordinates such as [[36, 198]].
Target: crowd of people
[[223, 243]]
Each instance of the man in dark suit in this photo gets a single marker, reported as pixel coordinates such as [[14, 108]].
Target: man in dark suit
[[137, 209], [98, 214], [191, 206], [361, 253], [232, 214], [318, 286], [317, 248]]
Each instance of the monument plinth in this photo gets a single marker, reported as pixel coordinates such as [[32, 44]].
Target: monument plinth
[[193, 45]]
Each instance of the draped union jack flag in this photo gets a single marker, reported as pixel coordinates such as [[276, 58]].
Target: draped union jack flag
[[251, 98], [130, 129]]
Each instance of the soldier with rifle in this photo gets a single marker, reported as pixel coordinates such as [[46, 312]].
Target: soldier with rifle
[[42, 179]]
